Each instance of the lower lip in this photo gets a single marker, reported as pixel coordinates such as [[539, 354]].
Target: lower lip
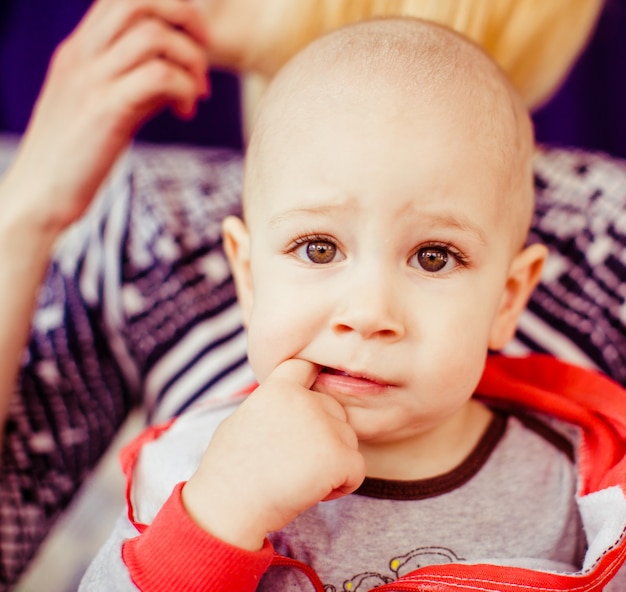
[[347, 385]]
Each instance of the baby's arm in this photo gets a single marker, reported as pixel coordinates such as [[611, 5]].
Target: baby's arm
[[282, 451]]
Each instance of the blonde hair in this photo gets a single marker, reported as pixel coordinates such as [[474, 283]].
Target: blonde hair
[[535, 42]]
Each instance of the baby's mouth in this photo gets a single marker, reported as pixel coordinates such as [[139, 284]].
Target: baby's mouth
[[354, 376], [327, 370]]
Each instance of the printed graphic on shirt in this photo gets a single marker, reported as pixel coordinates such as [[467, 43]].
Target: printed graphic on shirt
[[399, 566]]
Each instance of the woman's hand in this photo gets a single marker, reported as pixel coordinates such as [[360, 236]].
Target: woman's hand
[[125, 61]]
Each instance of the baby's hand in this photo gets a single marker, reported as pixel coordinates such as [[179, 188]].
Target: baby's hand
[[284, 450]]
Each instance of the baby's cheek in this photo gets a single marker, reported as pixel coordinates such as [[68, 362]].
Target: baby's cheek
[[277, 335], [268, 345], [259, 354]]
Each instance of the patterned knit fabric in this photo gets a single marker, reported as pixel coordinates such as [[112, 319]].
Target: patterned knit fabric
[[578, 312], [139, 309]]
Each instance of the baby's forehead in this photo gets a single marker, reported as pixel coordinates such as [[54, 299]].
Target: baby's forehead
[[421, 63], [417, 68]]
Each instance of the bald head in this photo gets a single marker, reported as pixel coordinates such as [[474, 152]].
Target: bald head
[[408, 69]]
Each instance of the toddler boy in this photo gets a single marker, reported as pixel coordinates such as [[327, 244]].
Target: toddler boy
[[387, 197]]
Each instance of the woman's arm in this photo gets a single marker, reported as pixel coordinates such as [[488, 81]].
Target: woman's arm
[[25, 241], [124, 62]]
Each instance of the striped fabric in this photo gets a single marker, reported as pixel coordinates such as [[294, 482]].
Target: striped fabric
[[139, 309], [578, 312]]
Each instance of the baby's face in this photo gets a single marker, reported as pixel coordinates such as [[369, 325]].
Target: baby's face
[[378, 251]]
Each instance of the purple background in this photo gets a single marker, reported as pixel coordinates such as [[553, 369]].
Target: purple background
[[589, 110]]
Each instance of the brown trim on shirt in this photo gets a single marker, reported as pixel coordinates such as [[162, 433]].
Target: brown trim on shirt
[[434, 486], [559, 441]]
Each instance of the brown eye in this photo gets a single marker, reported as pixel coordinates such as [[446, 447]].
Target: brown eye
[[433, 259], [321, 251]]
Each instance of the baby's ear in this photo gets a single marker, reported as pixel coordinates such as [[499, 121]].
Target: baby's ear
[[524, 275], [237, 247]]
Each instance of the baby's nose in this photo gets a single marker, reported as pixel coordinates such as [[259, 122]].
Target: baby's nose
[[371, 310]]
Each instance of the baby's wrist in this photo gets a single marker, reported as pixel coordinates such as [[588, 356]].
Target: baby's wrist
[[222, 517]]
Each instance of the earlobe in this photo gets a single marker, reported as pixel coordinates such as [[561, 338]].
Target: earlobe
[[524, 275], [237, 248]]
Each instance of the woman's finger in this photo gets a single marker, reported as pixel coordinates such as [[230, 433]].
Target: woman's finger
[[153, 39], [147, 89], [107, 20]]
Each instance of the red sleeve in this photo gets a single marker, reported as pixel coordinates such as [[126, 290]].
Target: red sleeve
[[174, 553]]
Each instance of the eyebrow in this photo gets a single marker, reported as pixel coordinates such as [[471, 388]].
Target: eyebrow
[[459, 222], [445, 220], [316, 211]]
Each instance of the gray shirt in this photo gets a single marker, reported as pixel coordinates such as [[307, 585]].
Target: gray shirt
[[512, 502]]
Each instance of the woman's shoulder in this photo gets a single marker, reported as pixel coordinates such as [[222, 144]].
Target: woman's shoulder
[[579, 180], [577, 312]]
